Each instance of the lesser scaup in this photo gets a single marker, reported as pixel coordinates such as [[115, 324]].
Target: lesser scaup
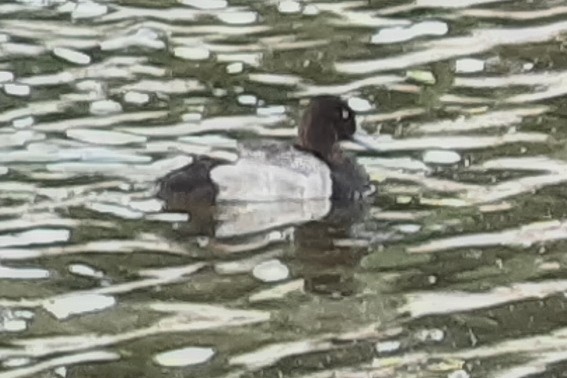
[[313, 168]]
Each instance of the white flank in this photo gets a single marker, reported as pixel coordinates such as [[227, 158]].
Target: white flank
[[254, 180]]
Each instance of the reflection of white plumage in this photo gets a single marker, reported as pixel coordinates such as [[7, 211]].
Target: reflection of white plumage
[[236, 219], [279, 171]]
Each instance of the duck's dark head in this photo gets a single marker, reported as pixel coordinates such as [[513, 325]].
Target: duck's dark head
[[326, 121]]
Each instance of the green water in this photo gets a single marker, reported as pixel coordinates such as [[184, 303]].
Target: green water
[[455, 269]]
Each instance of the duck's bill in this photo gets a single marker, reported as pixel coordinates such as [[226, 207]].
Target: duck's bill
[[364, 140]]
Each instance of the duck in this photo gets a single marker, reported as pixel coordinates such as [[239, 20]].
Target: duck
[[315, 167]]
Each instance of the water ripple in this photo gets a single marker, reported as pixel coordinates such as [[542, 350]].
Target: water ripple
[[454, 269]]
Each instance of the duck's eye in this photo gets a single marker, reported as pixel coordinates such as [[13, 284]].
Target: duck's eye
[[345, 114]]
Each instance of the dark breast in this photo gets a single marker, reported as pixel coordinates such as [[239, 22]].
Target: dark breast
[[350, 180]]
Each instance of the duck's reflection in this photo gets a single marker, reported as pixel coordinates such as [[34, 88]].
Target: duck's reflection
[[244, 219], [328, 237], [328, 250]]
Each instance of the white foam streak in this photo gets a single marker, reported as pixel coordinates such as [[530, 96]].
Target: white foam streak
[[93, 122], [429, 303], [455, 142], [270, 354], [493, 119], [34, 236], [523, 236], [71, 359], [184, 357], [65, 306], [480, 41]]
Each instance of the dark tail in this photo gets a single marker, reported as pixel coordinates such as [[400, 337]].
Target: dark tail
[[190, 185]]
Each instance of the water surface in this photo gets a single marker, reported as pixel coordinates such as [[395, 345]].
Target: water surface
[[455, 269]]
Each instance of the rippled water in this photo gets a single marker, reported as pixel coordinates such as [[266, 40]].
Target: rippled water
[[456, 270]]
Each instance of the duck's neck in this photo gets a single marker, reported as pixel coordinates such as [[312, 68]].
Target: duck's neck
[[329, 154], [321, 144]]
